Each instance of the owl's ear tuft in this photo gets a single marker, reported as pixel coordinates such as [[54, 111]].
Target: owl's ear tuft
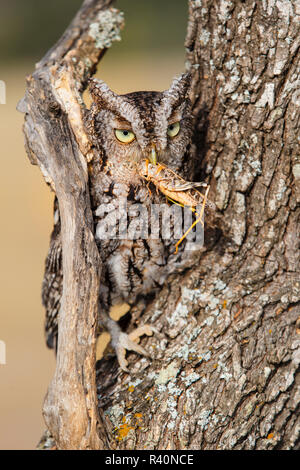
[[177, 95], [104, 98], [100, 92], [180, 86]]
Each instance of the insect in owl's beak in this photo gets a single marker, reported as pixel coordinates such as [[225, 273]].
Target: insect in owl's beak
[[153, 155]]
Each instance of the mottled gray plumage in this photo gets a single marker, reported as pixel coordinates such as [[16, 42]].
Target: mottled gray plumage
[[131, 268]]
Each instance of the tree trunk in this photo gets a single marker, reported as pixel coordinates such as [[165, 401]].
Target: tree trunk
[[223, 373], [224, 368]]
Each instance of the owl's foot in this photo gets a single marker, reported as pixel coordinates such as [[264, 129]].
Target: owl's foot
[[122, 341], [127, 342]]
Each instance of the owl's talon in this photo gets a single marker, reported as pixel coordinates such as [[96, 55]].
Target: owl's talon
[[123, 341], [141, 331]]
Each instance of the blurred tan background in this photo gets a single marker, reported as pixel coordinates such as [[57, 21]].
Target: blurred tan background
[[150, 54]]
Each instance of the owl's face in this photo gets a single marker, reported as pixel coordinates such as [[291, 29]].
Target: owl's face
[[142, 125]]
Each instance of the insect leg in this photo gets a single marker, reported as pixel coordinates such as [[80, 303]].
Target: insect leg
[[195, 222]]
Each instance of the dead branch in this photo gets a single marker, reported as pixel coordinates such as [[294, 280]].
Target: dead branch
[[57, 142]]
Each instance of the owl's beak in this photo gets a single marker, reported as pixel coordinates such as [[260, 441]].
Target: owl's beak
[[153, 155]]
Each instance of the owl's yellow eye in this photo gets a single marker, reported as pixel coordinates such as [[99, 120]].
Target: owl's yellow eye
[[173, 129], [124, 136]]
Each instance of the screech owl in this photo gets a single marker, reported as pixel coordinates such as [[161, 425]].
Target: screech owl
[[126, 129]]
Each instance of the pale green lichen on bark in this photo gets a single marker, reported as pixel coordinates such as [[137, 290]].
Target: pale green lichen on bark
[[107, 28], [167, 374]]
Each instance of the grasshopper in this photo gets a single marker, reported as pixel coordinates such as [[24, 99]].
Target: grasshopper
[[177, 190]]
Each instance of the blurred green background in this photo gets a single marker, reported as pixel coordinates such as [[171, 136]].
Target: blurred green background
[[150, 54], [29, 28]]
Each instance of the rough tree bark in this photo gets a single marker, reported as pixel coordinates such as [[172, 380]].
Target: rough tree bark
[[224, 374], [225, 361]]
